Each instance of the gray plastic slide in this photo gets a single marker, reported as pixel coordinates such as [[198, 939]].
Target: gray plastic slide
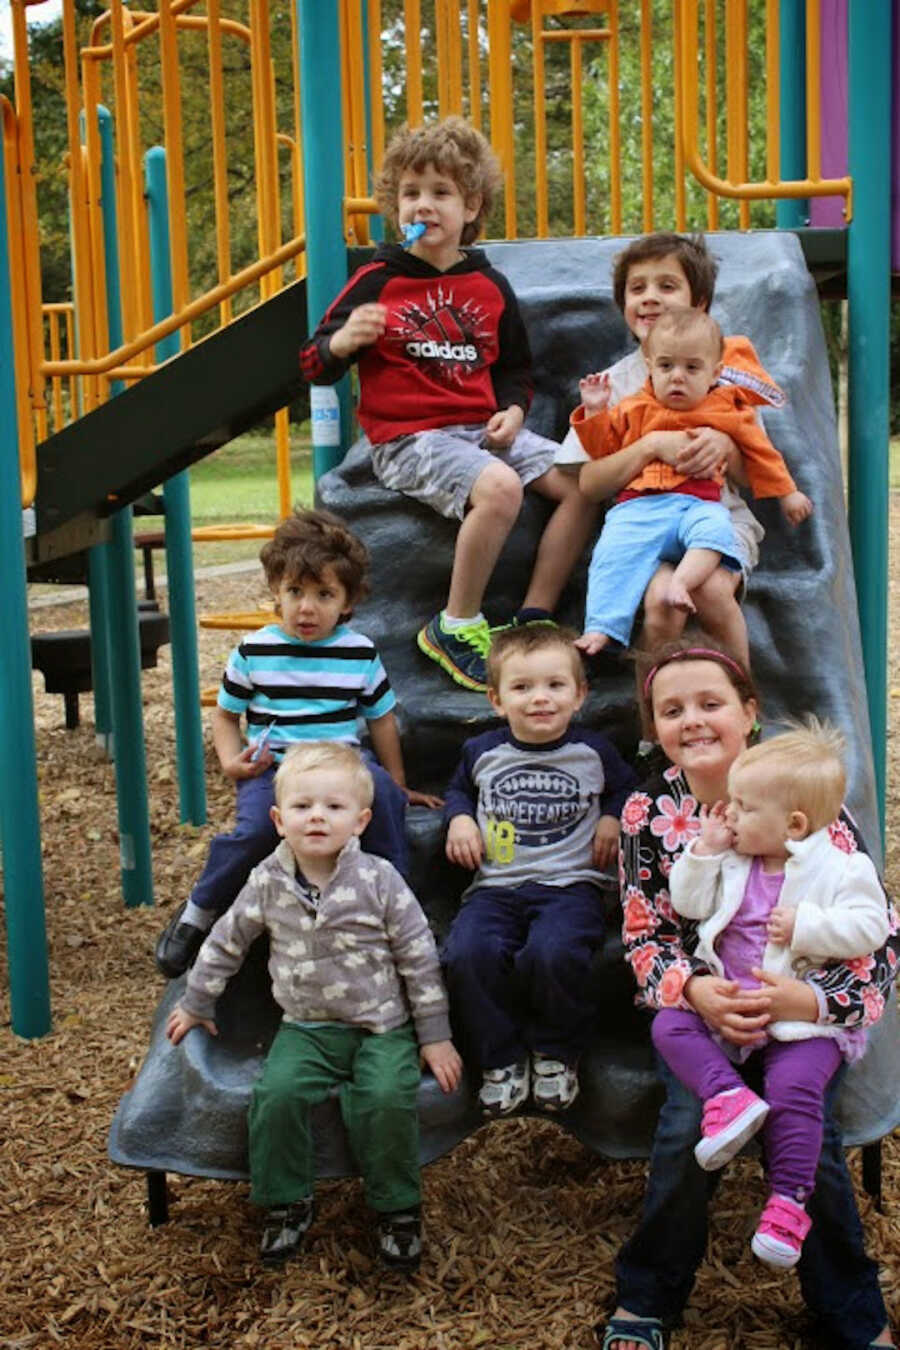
[[187, 1109]]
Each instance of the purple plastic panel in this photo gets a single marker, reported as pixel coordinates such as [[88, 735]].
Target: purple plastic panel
[[828, 211]]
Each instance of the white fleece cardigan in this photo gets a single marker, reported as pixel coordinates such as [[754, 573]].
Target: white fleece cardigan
[[841, 911]]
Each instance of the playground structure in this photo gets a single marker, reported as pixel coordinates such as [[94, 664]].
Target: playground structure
[[150, 399]]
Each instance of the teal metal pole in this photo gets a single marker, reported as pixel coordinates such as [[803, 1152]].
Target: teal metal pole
[[790, 213], [98, 557], [124, 640], [179, 555], [323, 181], [20, 829], [868, 295]]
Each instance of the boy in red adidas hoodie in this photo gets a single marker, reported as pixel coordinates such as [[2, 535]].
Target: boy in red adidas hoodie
[[445, 382]]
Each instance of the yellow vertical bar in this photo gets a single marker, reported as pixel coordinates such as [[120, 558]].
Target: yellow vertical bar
[[680, 213], [28, 206], [441, 36], [615, 147], [70, 353], [474, 62], [174, 143], [92, 172], [501, 105], [540, 125], [297, 156], [578, 202], [773, 93], [412, 17], [82, 290], [137, 235], [813, 77], [743, 119], [647, 111], [219, 152], [56, 382], [283, 461], [453, 48], [712, 121], [376, 77]]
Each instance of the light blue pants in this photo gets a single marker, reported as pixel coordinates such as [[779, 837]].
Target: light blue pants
[[637, 536]]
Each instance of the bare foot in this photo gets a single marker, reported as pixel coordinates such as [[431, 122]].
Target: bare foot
[[679, 597], [591, 643]]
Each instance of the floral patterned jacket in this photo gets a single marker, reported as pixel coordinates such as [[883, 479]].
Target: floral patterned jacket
[[658, 821]]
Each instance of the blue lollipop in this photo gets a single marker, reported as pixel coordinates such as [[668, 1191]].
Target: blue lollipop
[[413, 232]]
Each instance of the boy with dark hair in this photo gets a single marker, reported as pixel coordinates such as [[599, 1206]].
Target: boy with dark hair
[[306, 676], [655, 273], [445, 382], [533, 809]]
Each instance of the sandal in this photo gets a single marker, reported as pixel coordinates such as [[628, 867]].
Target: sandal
[[647, 1332]]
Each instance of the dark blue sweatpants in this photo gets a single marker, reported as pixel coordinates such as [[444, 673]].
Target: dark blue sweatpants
[[518, 963], [232, 857]]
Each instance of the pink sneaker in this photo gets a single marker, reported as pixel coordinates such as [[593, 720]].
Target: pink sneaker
[[779, 1235], [730, 1118]]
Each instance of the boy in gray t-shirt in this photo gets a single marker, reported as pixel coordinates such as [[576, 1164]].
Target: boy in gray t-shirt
[[533, 809]]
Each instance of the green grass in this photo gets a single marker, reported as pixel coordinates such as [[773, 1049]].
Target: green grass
[[239, 483]]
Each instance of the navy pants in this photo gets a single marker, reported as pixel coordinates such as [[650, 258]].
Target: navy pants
[[232, 857], [656, 1268], [518, 963]]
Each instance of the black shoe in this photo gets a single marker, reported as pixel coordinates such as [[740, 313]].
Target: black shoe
[[178, 945], [284, 1230], [400, 1240]]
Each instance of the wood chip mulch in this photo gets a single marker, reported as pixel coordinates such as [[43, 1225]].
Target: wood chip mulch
[[522, 1223]]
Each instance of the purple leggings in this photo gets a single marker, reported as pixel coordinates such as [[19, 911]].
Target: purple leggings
[[795, 1076]]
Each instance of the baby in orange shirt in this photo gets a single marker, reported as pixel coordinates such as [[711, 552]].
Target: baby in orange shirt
[[662, 515]]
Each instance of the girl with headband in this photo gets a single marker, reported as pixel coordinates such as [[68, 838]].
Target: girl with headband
[[702, 706]]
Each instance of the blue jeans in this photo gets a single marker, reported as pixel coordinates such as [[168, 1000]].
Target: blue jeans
[[655, 1269], [232, 857]]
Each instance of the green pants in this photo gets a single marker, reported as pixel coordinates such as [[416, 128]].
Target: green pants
[[377, 1077]]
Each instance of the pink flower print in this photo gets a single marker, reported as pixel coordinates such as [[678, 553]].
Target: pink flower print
[[663, 902], [893, 921], [676, 824], [636, 812], [642, 960], [841, 836], [639, 919], [644, 874], [665, 865], [873, 1003], [891, 957], [671, 773], [860, 967], [671, 986]]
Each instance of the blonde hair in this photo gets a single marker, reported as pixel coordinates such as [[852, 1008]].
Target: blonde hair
[[687, 323], [807, 771], [456, 150], [326, 755], [527, 638]]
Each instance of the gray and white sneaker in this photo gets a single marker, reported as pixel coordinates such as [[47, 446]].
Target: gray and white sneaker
[[554, 1085], [502, 1090], [400, 1240]]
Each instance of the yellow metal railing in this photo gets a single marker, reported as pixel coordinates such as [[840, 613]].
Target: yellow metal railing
[[602, 125]]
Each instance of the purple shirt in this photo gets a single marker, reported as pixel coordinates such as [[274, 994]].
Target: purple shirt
[[740, 946]]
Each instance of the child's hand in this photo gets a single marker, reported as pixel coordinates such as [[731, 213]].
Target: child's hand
[[595, 392], [423, 799], [796, 507], [179, 1023], [364, 326], [503, 428], [780, 927], [244, 765], [606, 842], [715, 833], [465, 846], [706, 450], [444, 1063]]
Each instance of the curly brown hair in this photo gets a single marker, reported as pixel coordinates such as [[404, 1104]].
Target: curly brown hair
[[455, 149], [309, 541], [699, 266]]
